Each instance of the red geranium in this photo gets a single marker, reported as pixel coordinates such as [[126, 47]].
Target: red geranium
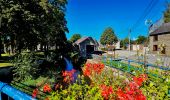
[[47, 88], [132, 91], [34, 93], [89, 68], [106, 91], [68, 76]]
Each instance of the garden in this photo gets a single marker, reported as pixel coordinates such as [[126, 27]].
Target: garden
[[39, 60], [106, 80]]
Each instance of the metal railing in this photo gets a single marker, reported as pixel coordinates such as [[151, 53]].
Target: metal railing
[[12, 93], [129, 61]]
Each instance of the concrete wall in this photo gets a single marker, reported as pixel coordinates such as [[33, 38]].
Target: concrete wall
[[137, 47], [162, 39], [118, 45]]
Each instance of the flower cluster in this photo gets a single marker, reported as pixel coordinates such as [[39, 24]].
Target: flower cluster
[[46, 88], [106, 91], [89, 68], [34, 93], [132, 91], [68, 76]]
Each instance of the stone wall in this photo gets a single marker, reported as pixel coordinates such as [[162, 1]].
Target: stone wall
[[162, 39]]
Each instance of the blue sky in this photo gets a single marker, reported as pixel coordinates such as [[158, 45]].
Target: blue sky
[[91, 17]]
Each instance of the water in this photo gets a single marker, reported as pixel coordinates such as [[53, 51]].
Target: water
[[69, 65]]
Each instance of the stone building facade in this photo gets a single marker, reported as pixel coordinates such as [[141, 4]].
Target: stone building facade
[[160, 40]]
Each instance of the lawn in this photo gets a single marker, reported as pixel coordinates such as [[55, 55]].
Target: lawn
[[5, 60], [5, 64]]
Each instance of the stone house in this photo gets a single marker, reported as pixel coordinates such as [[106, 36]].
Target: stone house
[[159, 39], [87, 45]]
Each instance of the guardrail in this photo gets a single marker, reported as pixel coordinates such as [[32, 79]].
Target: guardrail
[[129, 66], [142, 63], [12, 93]]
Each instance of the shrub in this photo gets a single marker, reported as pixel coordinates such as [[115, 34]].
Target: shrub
[[77, 91], [25, 66], [105, 85]]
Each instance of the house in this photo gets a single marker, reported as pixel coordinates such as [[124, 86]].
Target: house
[[117, 45], [87, 45], [136, 47], [160, 39]]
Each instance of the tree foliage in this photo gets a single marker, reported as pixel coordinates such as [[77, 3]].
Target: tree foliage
[[141, 40], [34, 22], [124, 42], [108, 37], [167, 14], [75, 37]]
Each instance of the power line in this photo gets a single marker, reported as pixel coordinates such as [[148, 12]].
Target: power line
[[145, 14]]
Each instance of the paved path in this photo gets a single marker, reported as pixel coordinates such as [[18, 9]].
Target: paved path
[[151, 58]]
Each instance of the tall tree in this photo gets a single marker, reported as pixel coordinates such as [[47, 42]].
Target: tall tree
[[124, 42], [34, 22], [75, 37], [141, 40], [167, 14], [108, 37]]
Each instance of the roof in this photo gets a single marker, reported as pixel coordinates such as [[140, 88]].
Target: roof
[[85, 38], [163, 29]]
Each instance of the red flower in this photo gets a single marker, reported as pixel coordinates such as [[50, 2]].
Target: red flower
[[138, 80], [144, 76], [68, 76], [47, 98], [87, 72], [89, 68], [106, 91], [46, 88], [34, 93], [140, 97], [132, 91]]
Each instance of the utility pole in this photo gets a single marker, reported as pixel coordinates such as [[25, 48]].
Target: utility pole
[[129, 39]]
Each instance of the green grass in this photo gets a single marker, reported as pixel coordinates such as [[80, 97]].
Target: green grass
[[5, 55], [5, 64]]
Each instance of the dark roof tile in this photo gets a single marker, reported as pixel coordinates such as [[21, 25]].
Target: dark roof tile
[[163, 29]]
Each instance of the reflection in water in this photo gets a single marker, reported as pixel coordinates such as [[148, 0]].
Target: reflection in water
[[69, 67]]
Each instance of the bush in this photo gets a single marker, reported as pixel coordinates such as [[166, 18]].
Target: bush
[[77, 91], [25, 66], [104, 84]]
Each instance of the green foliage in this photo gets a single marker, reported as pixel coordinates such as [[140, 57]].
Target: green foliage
[[124, 42], [25, 66], [141, 40], [75, 37], [34, 21], [27, 86], [156, 89], [167, 14], [78, 91], [108, 37]]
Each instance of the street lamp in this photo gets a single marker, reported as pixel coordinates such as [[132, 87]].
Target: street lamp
[[147, 23]]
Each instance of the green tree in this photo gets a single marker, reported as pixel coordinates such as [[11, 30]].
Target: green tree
[[124, 42], [75, 37], [34, 22], [167, 14], [141, 40], [108, 37]]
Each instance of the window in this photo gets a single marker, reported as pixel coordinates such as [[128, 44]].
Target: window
[[155, 38], [155, 47]]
